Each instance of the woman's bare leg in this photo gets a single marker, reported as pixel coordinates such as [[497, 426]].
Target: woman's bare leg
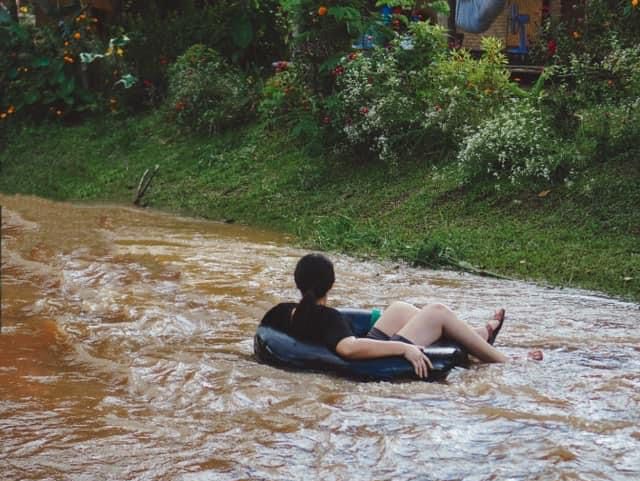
[[398, 314], [395, 317], [435, 320]]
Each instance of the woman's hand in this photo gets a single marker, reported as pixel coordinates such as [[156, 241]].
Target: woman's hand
[[421, 363]]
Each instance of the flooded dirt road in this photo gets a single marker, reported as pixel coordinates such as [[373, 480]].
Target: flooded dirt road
[[126, 354]]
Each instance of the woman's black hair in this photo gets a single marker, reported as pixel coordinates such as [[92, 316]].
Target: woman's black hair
[[314, 277]]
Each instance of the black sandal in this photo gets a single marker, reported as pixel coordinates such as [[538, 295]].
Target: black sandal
[[493, 331]]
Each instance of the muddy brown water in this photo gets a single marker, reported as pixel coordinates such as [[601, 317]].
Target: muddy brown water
[[126, 354]]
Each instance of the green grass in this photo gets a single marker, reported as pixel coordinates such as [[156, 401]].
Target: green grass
[[584, 234]]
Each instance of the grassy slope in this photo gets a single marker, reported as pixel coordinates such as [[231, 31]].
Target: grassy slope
[[584, 235]]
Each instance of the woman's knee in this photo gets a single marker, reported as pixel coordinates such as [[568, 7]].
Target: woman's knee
[[437, 307], [402, 308], [438, 312]]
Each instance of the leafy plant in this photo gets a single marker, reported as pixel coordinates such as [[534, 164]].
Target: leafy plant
[[373, 110], [610, 132], [206, 92], [39, 72], [249, 33], [460, 91], [324, 32], [515, 145]]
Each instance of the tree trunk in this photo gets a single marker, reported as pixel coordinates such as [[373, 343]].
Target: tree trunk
[[13, 9]]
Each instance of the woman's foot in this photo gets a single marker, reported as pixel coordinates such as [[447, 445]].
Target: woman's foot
[[494, 325], [535, 355]]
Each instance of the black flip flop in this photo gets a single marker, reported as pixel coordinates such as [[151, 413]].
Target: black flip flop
[[493, 332]]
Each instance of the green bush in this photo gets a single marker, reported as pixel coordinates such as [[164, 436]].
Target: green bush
[[322, 32], [515, 145], [60, 72], [428, 44], [459, 91], [373, 112], [248, 34], [610, 132], [39, 70], [283, 94], [206, 93]]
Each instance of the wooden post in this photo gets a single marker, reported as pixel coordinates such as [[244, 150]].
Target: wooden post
[[13, 9]]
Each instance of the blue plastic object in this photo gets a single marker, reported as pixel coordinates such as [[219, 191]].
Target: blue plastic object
[[278, 349], [519, 24], [386, 13], [476, 16]]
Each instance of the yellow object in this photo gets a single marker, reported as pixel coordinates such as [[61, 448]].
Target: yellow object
[[322, 11]]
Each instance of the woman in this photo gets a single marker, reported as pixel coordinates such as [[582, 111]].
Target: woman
[[401, 330]]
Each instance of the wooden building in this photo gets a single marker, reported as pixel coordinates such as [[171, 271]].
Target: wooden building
[[503, 28]]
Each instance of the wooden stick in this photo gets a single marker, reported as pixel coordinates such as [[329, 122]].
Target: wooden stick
[[143, 185]]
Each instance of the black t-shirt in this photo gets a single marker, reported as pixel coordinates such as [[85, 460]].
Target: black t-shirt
[[325, 327]]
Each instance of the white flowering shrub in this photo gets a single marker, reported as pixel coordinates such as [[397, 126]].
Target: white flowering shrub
[[515, 145], [372, 110]]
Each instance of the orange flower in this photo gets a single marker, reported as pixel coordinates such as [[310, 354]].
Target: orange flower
[[3, 115], [68, 59], [576, 35], [58, 113], [11, 109], [322, 11], [66, 44], [77, 36], [634, 3]]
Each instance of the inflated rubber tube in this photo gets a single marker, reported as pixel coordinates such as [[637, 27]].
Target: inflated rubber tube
[[279, 349]]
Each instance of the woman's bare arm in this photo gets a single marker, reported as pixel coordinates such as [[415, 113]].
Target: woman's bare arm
[[363, 348]]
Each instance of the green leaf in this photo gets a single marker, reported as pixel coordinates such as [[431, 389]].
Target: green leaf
[[40, 62], [330, 63], [67, 88], [31, 97], [13, 73], [127, 81], [440, 6], [49, 98], [57, 65], [88, 57], [242, 31], [58, 77], [120, 41]]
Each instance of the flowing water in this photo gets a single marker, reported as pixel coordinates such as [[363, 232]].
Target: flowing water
[[126, 354]]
